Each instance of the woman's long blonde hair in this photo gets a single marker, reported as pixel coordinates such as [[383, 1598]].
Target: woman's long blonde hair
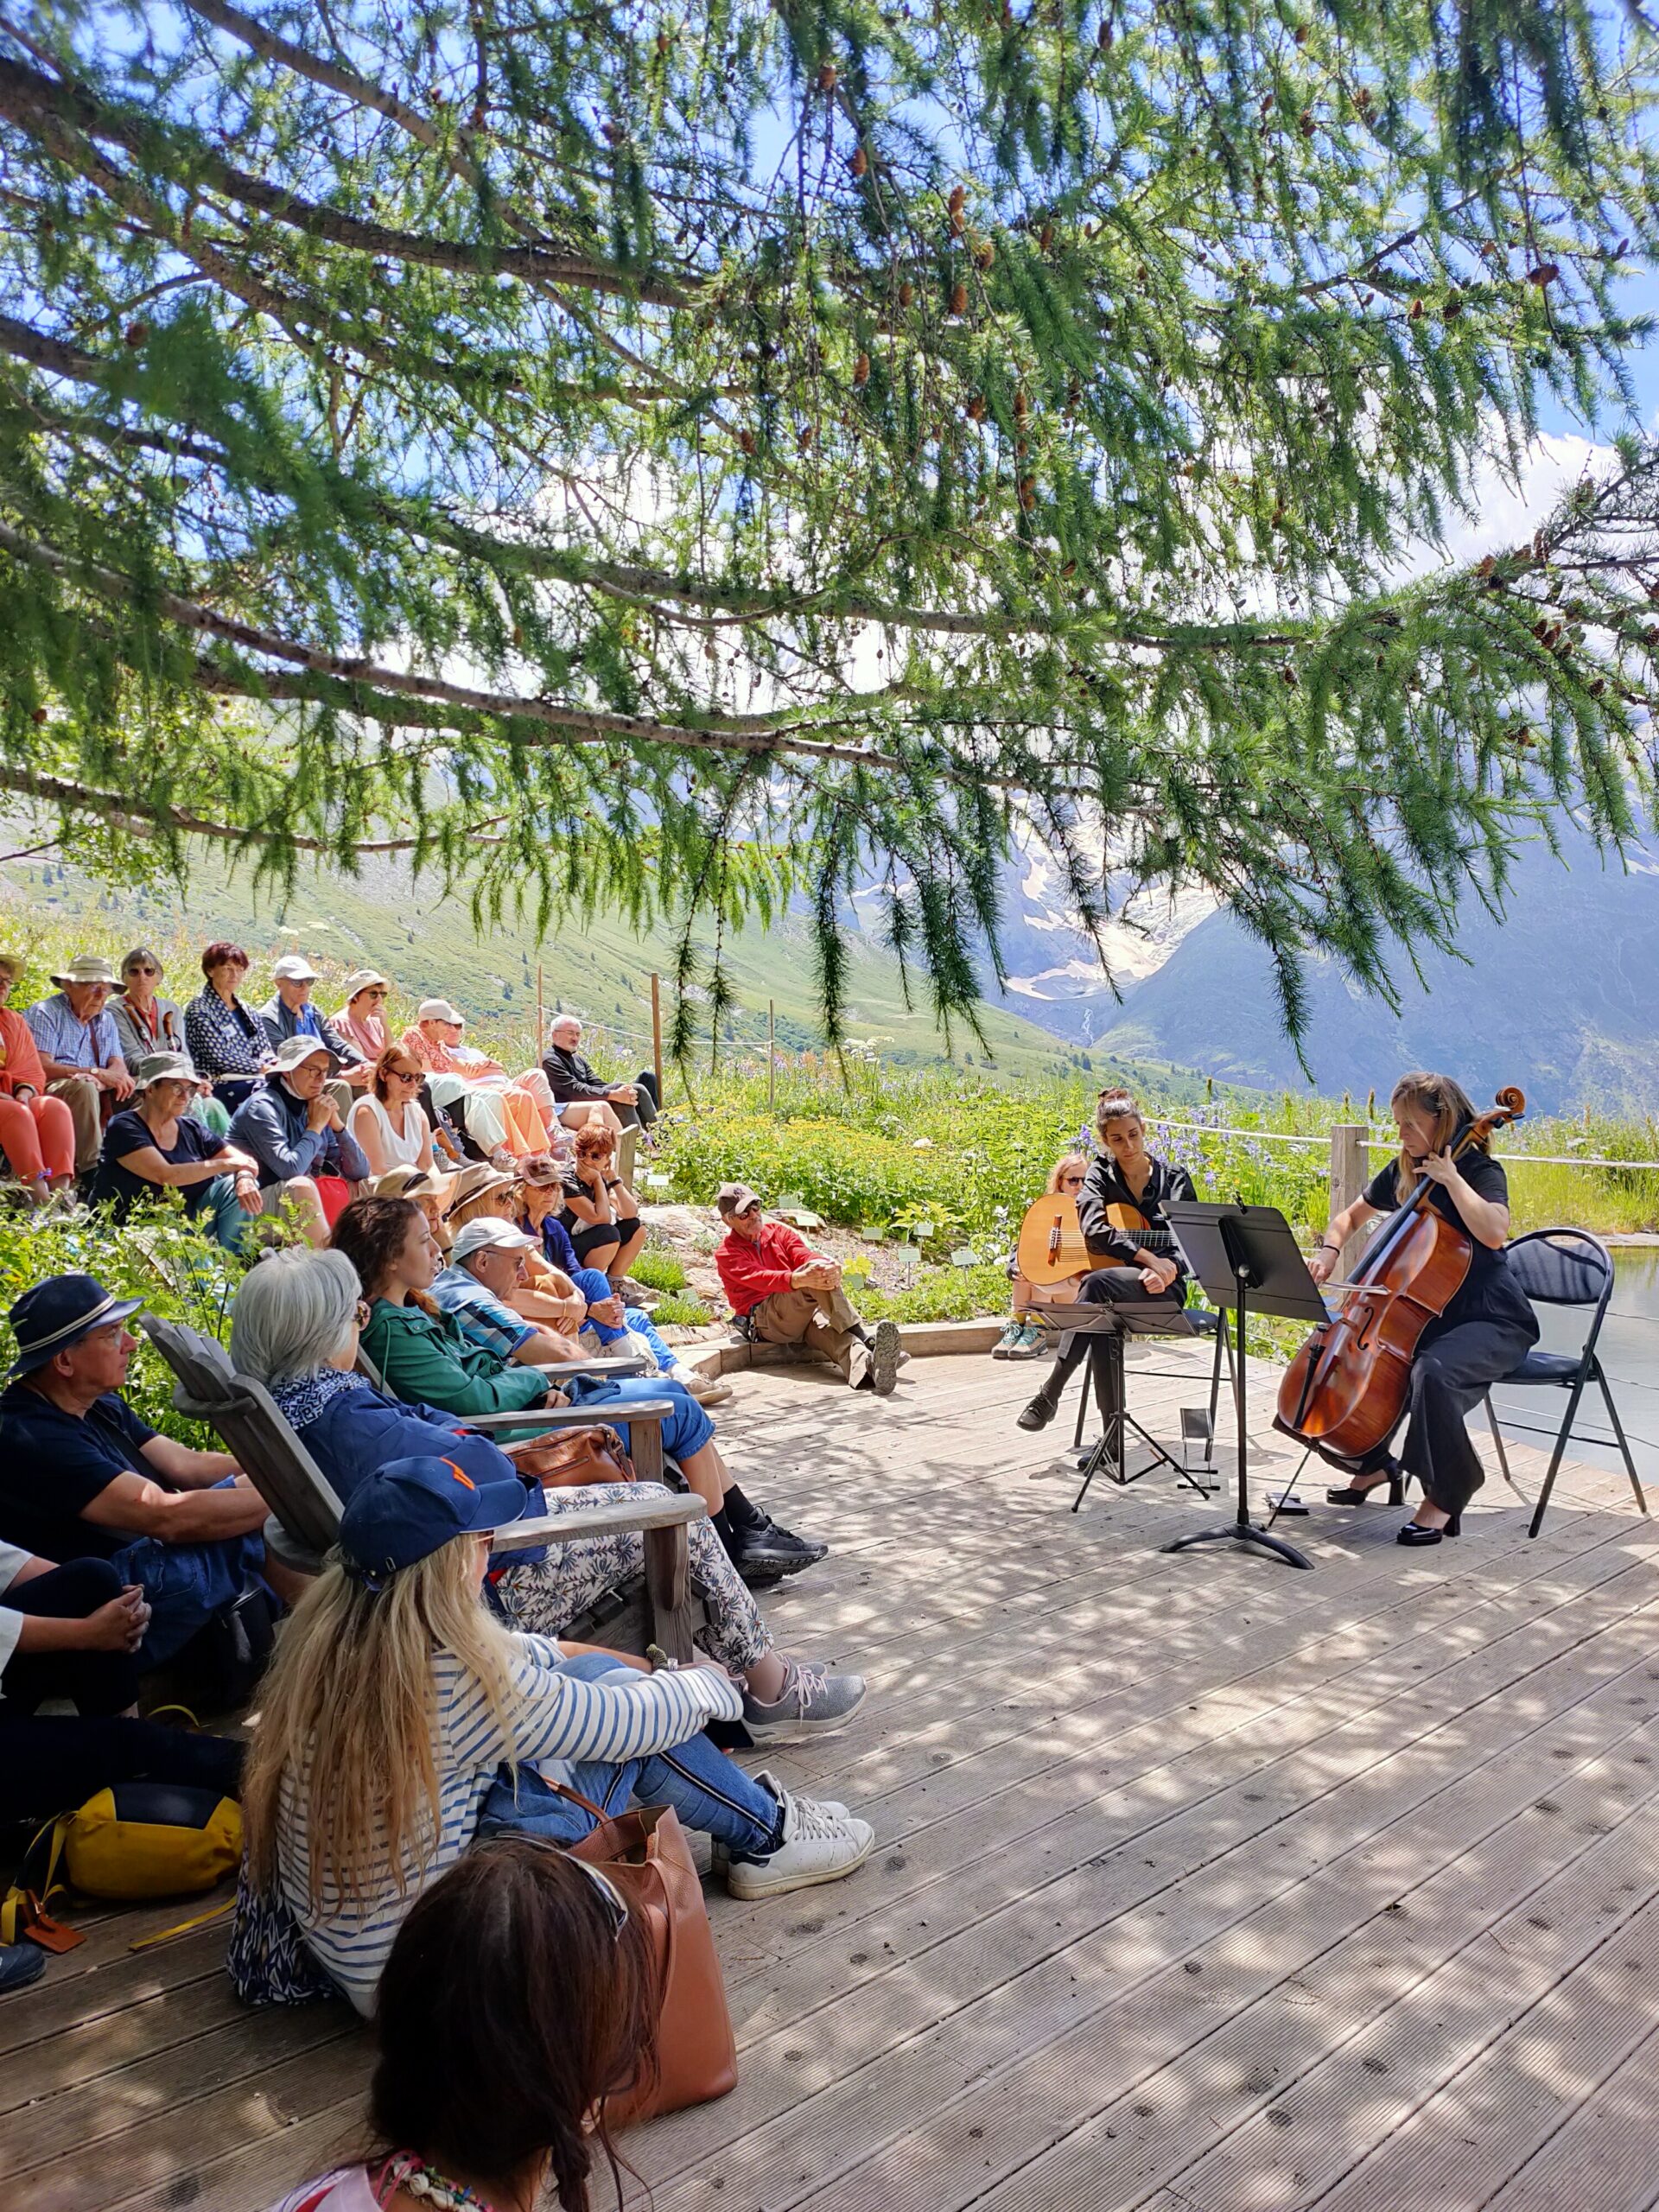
[[1056, 1172], [348, 1719], [1445, 1103]]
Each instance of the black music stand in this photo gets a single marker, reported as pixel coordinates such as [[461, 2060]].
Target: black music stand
[[1246, 1259], [1109, 1324]]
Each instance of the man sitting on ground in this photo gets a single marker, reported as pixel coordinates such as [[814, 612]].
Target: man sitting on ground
[[80, 1474], [80, 1052], [789, 1294], [579, 1090], [292, 1126]]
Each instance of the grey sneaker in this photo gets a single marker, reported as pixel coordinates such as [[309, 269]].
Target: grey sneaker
[[885, 1357], [821, 1843], [1007, 1342], [813, 1702]]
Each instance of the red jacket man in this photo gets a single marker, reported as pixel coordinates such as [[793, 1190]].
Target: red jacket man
[[791, 1295]]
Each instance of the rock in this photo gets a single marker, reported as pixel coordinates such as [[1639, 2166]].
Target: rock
[[679, 1224]]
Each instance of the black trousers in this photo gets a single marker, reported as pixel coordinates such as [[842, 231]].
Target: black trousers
[[98, 1682], [1449, 1377], [1105, 1287]]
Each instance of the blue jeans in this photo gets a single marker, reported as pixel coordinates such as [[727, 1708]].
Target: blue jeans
[[705, 1787], [687, 1429], [593, 1286], [186, 1584], [218, 1211]]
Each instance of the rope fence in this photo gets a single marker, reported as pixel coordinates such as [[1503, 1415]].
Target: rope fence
[[1392, 1144]]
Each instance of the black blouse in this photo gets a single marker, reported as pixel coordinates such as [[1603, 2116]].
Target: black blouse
[[1105, 1185], [1489, 1291]]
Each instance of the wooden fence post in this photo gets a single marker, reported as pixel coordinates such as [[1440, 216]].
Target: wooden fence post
[[657, 1030], [541, 1021], [1348, 1179], [771, 1056]]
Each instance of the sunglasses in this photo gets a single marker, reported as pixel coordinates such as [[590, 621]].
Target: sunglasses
[[141, 970], [404, 1075], [615, 1904]]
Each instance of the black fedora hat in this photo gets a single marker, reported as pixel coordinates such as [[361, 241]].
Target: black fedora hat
[[59, 1313]]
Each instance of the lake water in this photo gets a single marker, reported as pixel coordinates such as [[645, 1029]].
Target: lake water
[[1630, 1351]]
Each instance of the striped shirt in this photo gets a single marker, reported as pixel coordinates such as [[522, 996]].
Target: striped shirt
[[483, 1319], [560, 1718], [63, 1037]]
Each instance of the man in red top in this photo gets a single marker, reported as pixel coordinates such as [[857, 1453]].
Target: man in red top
[[791, 1295]]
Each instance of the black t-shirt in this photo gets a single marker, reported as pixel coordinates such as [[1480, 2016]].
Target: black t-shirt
[[1489, 1292], [118, 1186], [52, 1466]]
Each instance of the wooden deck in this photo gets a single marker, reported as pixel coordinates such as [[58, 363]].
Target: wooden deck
[[1202, 1885]]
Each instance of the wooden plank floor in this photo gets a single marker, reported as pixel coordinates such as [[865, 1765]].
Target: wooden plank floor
[[1202, 1885]]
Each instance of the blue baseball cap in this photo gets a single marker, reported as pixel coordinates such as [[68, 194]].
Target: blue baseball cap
[[412, 1508], [58, 1312]]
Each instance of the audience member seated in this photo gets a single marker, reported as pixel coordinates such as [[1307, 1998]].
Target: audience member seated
[[388, 1123], [581, 1094], [38, 1131], [292, 1126], [519, 1995], [81, 1053], [294, 1328], [1023, 1339], [72, 1634], [290, 1013], [499, 1113], [424, 1356], [786, 1294], [362, 1020], [81, 1474], [485, 1260], [144, 1023], [226, 1040], [156, 1144], [414, 1183], [396, 1700], [600, 1214]]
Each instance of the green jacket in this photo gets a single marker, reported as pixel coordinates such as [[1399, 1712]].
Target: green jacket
[[427, 1361]]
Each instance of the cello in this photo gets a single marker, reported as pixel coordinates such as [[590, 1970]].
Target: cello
[[1346, 1390]]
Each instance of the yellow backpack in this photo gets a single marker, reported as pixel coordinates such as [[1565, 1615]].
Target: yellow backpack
[[134, 1842]]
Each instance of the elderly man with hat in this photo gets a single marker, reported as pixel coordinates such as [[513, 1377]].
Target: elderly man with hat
[[485, 1262], [81, 1476], [81, 1052], [304, 1153], [155, 1144], [786, 1294], [501, 1113]]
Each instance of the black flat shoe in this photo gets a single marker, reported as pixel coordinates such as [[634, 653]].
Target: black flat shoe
[[1414, 1535], [1038, 1414]]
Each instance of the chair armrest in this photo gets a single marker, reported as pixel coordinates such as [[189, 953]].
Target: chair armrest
[[604, 1362], [631, 1517], [601, 1416]]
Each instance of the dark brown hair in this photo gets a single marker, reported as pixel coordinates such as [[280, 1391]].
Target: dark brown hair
[[1116, 1106], [384, 1066], [512, 2006], [370, 1233], [221, 950]]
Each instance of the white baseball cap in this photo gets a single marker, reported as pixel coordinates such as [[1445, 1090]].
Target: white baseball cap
[[294, 968], [488, 1233], [439, 1010]]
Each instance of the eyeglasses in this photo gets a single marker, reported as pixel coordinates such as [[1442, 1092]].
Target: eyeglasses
[[142, 969]]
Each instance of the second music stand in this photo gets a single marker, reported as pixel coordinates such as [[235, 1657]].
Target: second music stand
[[1246, 1260]]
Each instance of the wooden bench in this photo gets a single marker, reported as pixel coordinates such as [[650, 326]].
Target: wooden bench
[[305, 1508]]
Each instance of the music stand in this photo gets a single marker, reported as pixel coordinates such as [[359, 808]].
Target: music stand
[[1111, 1324], [1246, 1259]]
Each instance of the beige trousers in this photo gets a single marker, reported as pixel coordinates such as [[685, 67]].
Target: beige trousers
[[821, 1319], [85, 1103]]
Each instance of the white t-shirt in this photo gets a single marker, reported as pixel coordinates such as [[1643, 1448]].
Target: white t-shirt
[[12, 1561]]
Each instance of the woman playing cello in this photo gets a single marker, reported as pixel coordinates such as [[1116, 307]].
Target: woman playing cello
[[1485, 1329], [1123, 1175]]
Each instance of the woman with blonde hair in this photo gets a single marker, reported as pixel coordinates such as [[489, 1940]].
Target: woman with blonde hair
[[399, 1720], [1485, 1330], [1023, 1339], [1131, 1265]]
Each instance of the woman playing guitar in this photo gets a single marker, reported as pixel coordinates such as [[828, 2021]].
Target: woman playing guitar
[[1123, 1175], [1484, 1330]]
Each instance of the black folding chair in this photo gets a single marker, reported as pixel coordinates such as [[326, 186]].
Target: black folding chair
[[1563, 1266]]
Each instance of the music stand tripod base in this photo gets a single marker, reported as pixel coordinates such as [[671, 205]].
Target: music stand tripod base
[[1241, 1532]]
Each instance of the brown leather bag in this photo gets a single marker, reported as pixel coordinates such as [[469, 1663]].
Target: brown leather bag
[[645, 1855], [571, 1457]]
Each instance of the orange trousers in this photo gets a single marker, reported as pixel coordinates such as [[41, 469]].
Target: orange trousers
[[38, 1137]]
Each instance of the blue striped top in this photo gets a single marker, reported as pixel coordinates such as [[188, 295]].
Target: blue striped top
[[560, 1718]]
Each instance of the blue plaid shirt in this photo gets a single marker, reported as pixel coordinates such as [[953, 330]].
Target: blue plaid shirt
[[72, 1043], [483, 1319]]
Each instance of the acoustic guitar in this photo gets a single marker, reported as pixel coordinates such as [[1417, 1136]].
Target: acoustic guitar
[[1051, 1248]]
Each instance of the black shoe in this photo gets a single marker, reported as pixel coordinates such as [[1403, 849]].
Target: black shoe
[[1413, 1534], [766, 1552], [1390, 1475], [1039, 1414]]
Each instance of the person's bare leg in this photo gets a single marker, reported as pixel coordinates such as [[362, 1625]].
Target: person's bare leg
[[287, 1582], [767, 1678], [627, 1251], [705, 1470]]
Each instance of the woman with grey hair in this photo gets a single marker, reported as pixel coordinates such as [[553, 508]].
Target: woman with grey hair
[[294, 1328], [145, 1022]]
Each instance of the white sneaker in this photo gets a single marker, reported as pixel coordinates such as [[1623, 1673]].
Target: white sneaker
[[812, 1702], [707, 1389], [821, 1843]]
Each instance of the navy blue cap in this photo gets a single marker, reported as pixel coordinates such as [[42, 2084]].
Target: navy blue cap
[[412, 1508], [59, 1313]]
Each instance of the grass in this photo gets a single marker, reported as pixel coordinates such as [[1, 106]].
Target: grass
[[658, 1269]]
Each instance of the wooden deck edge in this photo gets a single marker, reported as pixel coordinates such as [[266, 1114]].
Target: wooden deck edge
[[921, 1339]]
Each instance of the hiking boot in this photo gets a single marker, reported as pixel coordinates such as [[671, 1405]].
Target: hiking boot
[[1011, 1336], [820, 1844], [813, 1702], [885, 1357], [1032, 1343], [1039, 1414], [765, 1552]]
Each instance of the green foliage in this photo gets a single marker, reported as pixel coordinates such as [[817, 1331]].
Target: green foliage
[[939, 1294], [657, 1271], [680, 465], [679, 1310]]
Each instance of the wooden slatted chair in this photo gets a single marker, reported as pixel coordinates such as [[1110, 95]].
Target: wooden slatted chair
[[305, 1509]]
